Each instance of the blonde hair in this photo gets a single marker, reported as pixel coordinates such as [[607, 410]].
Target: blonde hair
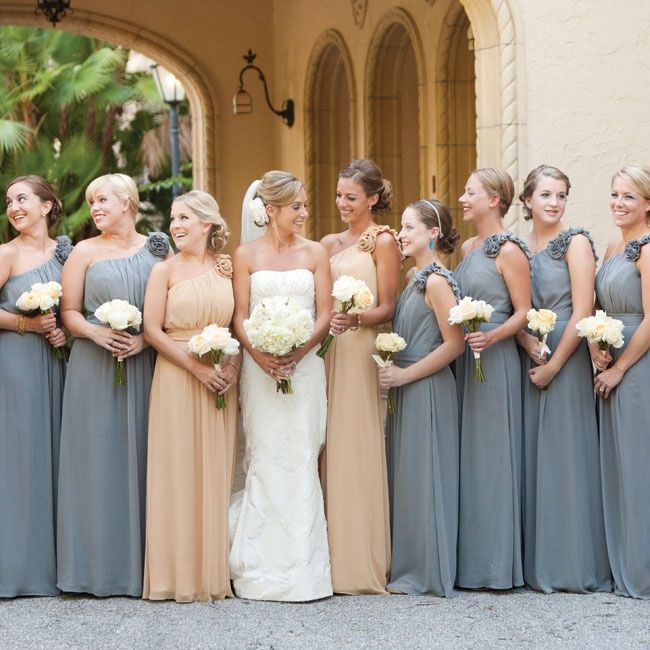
[[121, 184], [205, 207], [532, 180], [497, 183], [638, 178], [278, 188]]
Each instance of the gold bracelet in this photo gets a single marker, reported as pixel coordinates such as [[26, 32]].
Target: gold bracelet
[[20, 326]]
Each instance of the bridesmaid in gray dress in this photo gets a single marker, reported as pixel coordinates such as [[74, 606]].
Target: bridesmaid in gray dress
[[422, 436], [31, 377], [102, 472], [623, 291], [564, 534], [495, 269]]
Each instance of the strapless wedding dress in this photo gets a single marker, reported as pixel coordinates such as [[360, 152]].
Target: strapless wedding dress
[[279, 548]]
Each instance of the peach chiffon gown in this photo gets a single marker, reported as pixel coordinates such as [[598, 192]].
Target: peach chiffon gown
[[191, 456], [353, 465]]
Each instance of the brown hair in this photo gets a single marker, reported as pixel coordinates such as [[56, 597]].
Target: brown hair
[[368, 174], [206, 208], [497, 183], [532, 180], [435, 214], [278, 188], [45, 192]]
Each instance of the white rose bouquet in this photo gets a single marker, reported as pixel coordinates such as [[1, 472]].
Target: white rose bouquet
[[276, 326], [387, 345], [120, 316], [348, 293], [43, 297], [602, 329], [469, 314], [217, 341], [541, 322]]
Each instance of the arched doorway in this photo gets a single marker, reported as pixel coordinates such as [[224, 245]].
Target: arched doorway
[[394, 109], [328, 117], [199, 95], [456, 114]]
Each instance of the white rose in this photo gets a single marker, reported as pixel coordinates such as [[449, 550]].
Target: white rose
[[464, 311], [344, 288], [364, 299], [28, 301], [54, 289], [546, 320], [258, 212], [198, 345], [118, 319], [613, 333], [45, 301], [390, 343], [483, 310]]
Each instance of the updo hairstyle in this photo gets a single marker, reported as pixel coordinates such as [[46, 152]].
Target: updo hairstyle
[[448, 237], [368, 174], [205, 207], [497, 183], [532, 180], [45, 192], [278, 188], [122, 185]]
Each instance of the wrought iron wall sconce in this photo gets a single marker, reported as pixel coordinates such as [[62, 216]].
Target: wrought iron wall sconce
[[53, 10], [242, 102]]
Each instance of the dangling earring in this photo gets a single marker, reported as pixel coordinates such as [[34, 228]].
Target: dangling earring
[[432, 244]]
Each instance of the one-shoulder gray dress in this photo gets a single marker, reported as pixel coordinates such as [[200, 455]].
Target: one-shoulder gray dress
[[102, 469], [422, 447], [624, 422], [31, 391], [564, 534], [489, 526]]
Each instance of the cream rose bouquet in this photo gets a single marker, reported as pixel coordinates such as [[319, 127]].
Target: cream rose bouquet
[[276, 326], [469, 314], [348, 293], [217, 341], [42, 298], [120, 316], [541, 322], [602, 329], [387, 345]]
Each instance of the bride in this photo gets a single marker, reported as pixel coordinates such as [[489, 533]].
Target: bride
[[279, 549]]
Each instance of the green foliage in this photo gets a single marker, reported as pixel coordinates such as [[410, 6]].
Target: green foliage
[[69, 112]]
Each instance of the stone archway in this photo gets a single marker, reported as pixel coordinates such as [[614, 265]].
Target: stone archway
[[121, 32], [329, 129], [394, 105]]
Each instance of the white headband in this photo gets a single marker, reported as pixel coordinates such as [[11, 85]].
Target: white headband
[[437, 214]]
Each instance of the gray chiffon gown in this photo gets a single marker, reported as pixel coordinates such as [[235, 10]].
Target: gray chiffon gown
[[564, 534], [489, 526], [31, 381], [624, 422], [422, 447], [102, 469]]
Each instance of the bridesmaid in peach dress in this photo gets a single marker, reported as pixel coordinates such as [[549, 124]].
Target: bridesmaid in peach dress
[[353, 466], [191, 443]]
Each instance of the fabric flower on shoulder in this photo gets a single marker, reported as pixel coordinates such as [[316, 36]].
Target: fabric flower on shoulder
[[158, 244], [632, 249], [224, 265], [63, 248]]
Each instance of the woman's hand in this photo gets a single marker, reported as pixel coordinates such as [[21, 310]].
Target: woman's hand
[[391, 376], [211, 378], [530, 344], [607, 380], [56, 338], [41, 324], [136, 343], [113, 341], [542, 375], [478, 341], [278, 368], [228, 373], [341, 323], [600, 358]]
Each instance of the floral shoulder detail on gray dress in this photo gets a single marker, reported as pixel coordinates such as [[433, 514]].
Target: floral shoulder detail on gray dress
[[557, 247], [632, 249], [492, 244], [63, 248], [421, 277], [158, 244]]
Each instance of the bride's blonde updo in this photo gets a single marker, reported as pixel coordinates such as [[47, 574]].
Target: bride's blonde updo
[[278, 188], [205, 207]]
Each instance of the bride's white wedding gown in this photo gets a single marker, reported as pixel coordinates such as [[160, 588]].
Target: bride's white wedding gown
[[279, 549]]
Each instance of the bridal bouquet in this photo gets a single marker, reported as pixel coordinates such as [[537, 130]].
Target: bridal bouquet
[[276, 326], [469, 314], [348, 292], [119, 315], [387, 345], [217, 341], [42, 298], [602, 329], [541, 322]]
